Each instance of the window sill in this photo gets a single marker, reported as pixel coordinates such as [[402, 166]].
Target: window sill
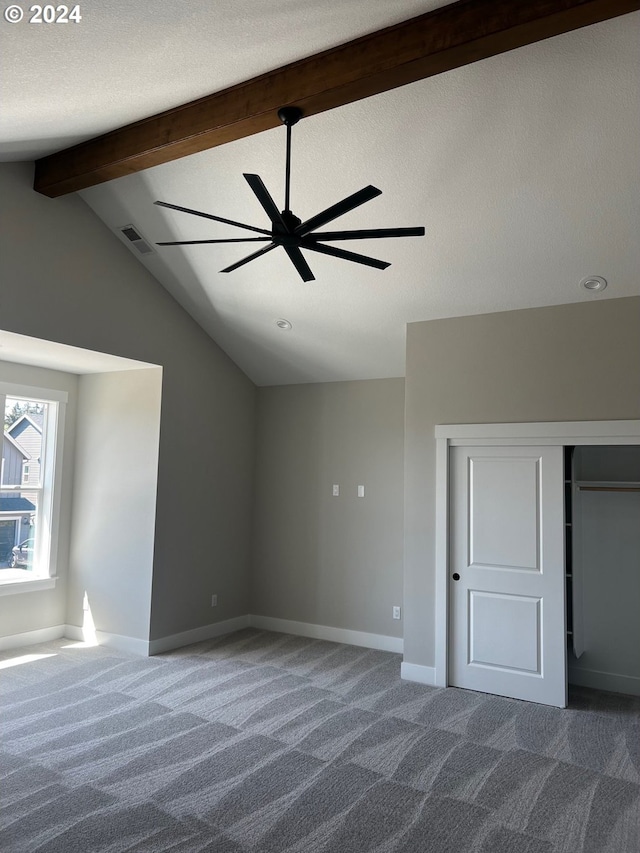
[[16, 584]]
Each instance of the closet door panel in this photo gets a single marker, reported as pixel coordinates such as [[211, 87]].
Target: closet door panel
[[507, 618]]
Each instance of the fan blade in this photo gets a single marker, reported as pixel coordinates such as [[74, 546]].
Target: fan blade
[[202, 242], [366, 233], [249, 258], [264, 197], [338, 209], [211, 216], [299, 262], [347, 256]]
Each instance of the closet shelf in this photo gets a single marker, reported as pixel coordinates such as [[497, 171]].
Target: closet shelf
[[608, 485]]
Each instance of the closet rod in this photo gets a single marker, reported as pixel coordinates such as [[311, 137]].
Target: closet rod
[[609, 488]]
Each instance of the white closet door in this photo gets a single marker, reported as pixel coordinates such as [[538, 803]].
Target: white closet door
[[507, 588]]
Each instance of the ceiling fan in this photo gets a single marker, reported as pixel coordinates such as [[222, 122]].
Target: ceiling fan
[[288, 231]]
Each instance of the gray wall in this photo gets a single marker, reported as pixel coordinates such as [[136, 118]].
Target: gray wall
[[66, 278], [317, 559], [327, 560], [570, 362], [114, 500]]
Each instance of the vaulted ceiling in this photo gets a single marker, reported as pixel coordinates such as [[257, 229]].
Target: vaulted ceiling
[[523, 168]]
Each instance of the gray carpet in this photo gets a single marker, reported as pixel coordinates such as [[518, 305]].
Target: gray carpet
[[270, 743]]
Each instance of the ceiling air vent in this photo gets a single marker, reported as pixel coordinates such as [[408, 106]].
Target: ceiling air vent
[[135, 239]]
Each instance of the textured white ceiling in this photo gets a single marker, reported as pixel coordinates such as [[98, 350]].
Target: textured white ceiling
[[523, 168], [127, 60]]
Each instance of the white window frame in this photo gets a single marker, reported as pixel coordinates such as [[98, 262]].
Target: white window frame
[[43, 575]]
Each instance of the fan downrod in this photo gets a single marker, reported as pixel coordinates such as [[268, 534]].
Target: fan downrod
[[288, 116]]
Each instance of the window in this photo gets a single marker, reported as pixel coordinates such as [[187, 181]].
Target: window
[[31, 444]]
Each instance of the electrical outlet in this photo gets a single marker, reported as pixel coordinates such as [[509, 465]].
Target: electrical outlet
[[214, 600], [396, 611], [360, 491], [336, 491]]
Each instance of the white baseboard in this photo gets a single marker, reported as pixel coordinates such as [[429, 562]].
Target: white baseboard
[[135, 646], [121, 642], [610, 681], [325, 632], [416, 672], [197, 635], [32, 638]]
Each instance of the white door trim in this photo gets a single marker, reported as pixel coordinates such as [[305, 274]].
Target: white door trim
[[447, 435]]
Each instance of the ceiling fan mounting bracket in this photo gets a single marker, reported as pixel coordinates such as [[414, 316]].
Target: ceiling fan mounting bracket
[[289, 115]]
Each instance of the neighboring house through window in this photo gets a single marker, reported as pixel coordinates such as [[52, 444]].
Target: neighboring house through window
[[15, 509], [29, 485], [26, 429]]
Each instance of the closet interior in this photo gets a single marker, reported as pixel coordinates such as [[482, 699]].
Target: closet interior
[[602, 549]]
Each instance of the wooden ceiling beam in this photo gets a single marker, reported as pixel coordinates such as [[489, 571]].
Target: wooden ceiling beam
[[438, 41]]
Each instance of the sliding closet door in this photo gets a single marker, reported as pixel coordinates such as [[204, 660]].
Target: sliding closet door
[[507, 595]]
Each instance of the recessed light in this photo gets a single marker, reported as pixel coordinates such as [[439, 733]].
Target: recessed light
[[593, 283], [284, 324]]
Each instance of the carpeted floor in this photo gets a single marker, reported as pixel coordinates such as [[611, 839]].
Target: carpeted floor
[[270, 743]]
